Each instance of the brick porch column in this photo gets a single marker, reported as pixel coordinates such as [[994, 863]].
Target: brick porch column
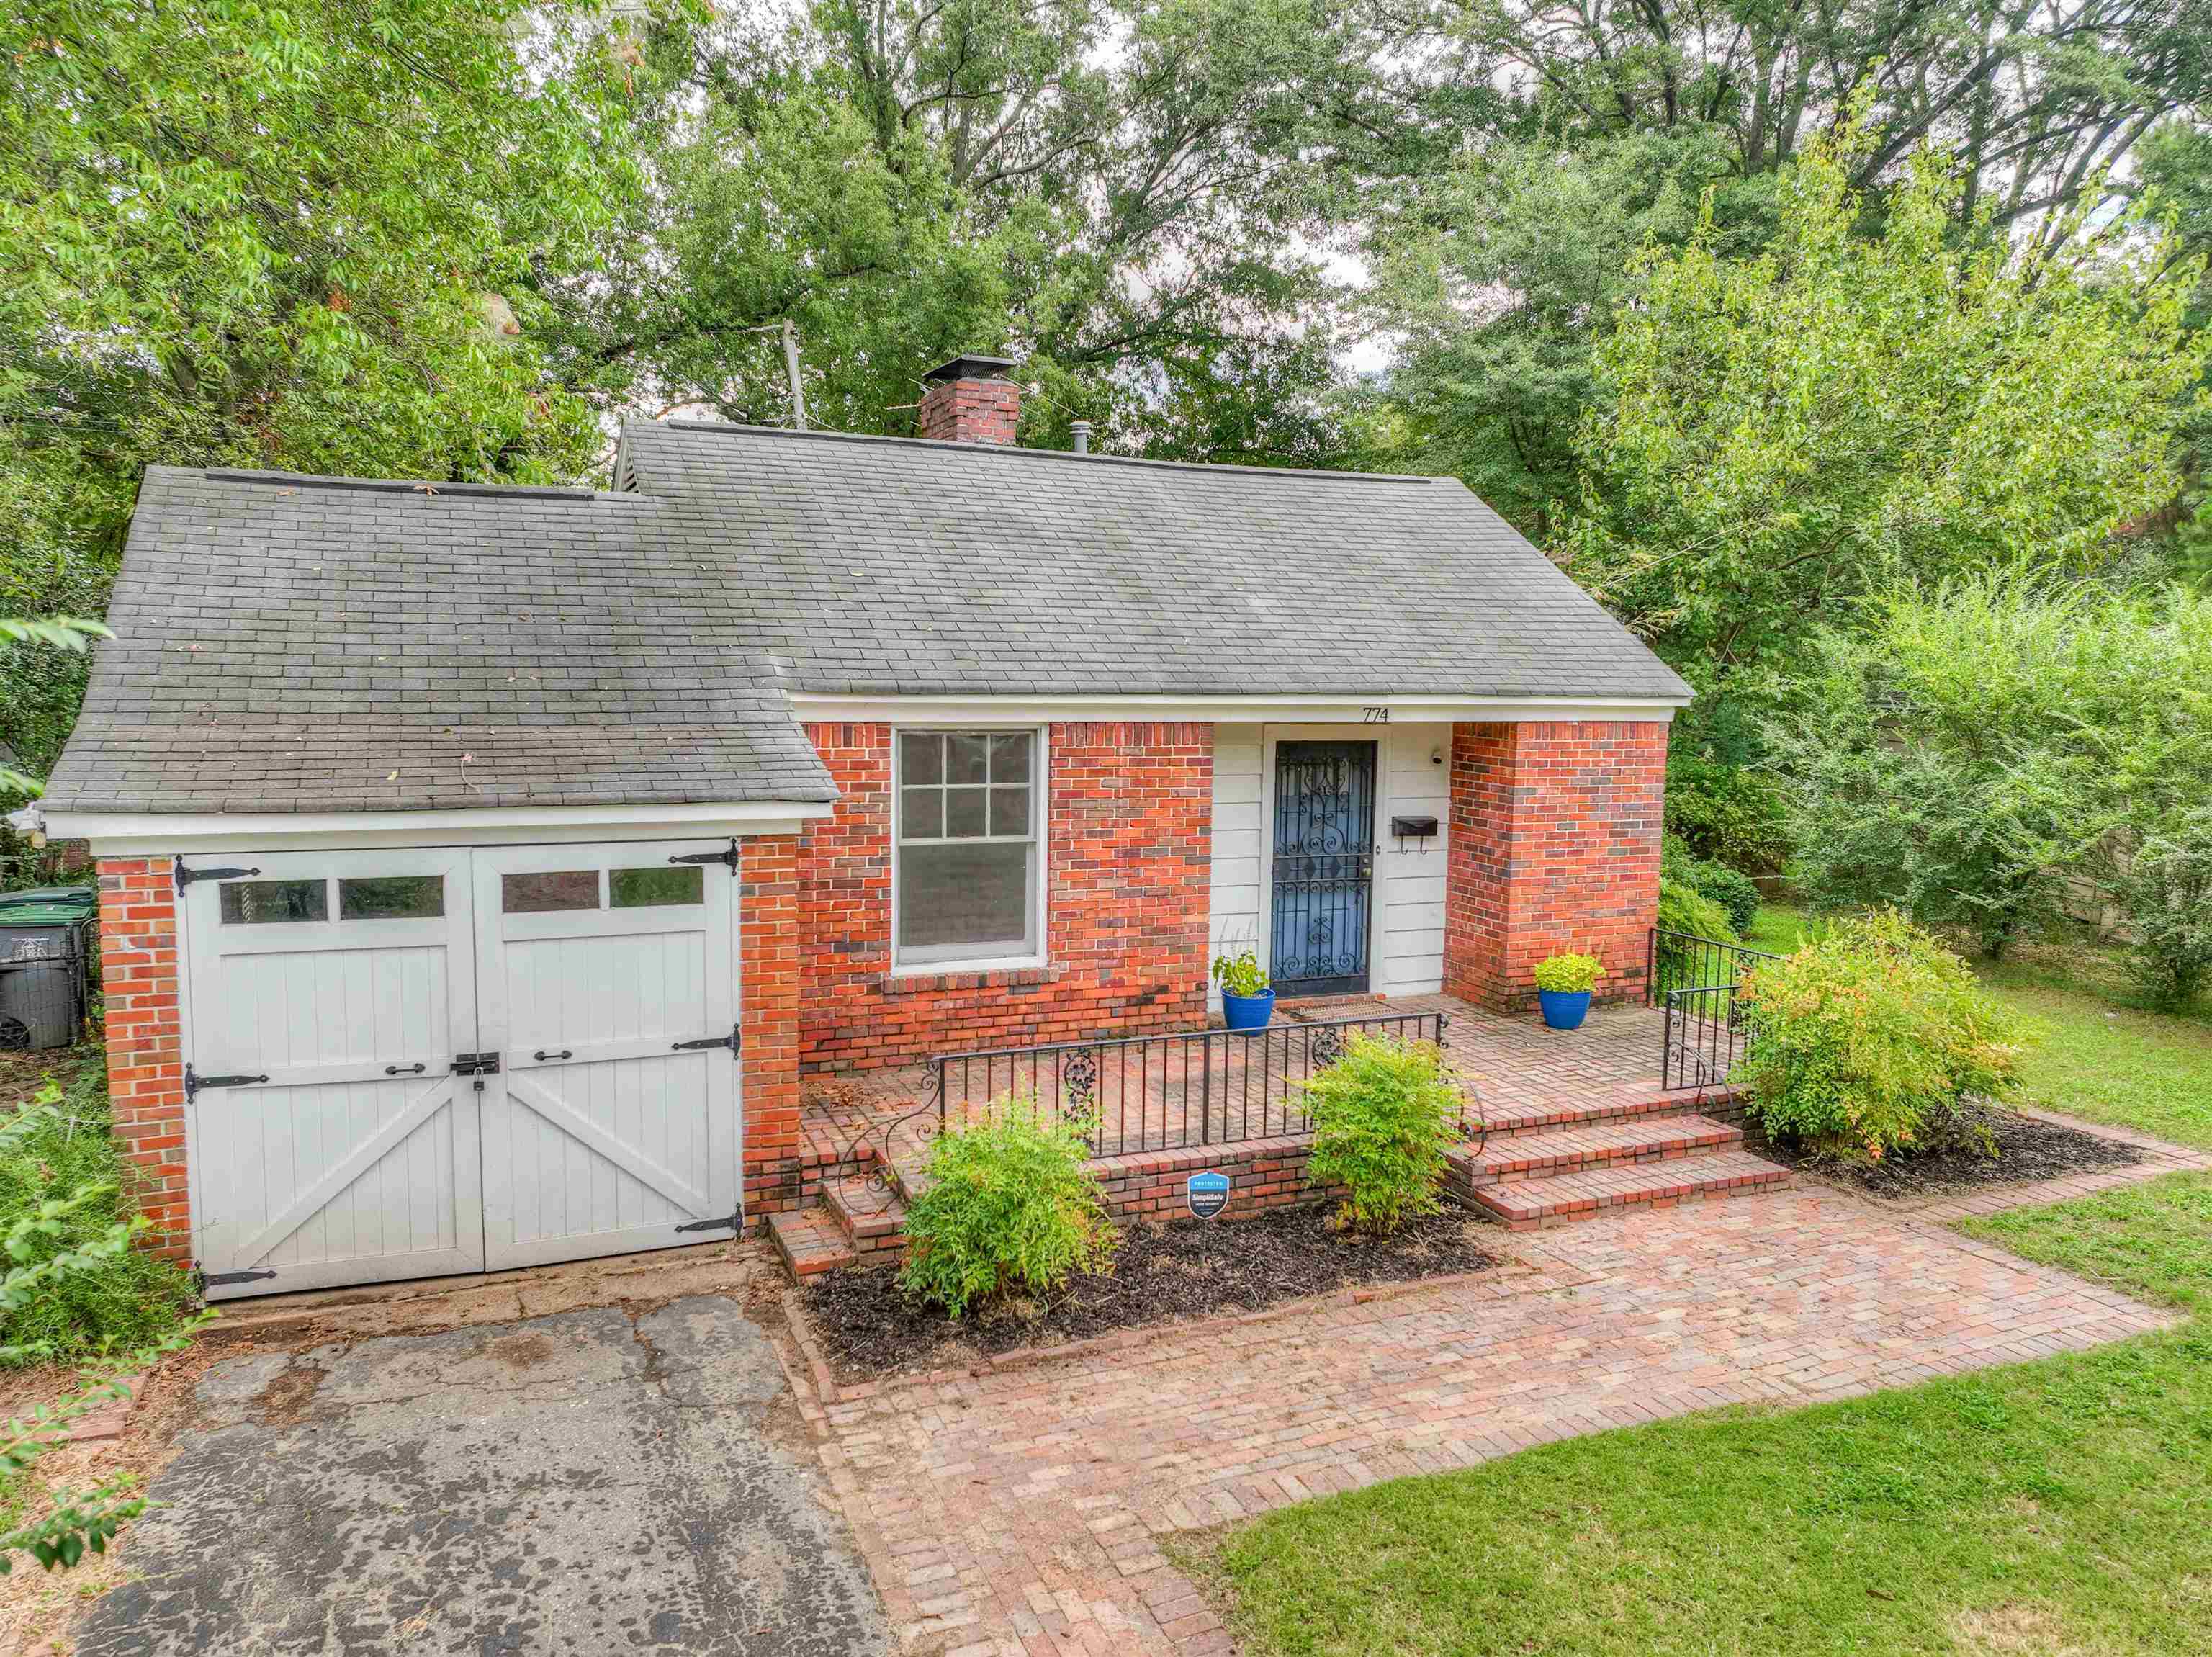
[[1555, 830], [145, 1042], [768, 988]]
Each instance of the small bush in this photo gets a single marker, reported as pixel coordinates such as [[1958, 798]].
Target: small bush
[[1867, 1041], [1569, 973], [1383, 1115], [1683, 908], [1732, 889], [117, 1304], [1009, 1208], [2167, 889]]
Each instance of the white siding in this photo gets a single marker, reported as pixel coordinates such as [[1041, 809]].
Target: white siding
[[1409, 876], [1236, 914], [1407, 948]]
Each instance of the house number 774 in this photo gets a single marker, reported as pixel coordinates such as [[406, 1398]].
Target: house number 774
[[1375, 715]]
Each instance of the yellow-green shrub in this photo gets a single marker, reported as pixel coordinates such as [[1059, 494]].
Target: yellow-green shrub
[[1383, 1115], [1867, 1041]]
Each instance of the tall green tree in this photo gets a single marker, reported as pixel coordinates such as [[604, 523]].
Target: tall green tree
[[310, 237], [1779, 437], [1132, 198]]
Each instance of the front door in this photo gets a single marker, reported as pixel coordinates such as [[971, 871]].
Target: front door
[[1323, 867], [412, 1063]]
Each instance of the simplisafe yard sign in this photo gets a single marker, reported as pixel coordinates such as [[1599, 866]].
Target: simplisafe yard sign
[[1209, 1193]]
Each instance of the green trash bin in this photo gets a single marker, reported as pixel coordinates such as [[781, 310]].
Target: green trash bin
[[46, 951]]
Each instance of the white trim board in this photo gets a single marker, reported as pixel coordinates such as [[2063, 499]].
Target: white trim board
[[1228, 710], [123, 834]]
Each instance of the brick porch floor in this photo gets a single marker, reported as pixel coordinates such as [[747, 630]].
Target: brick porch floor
[[1019, 1514], [1517, 1069]]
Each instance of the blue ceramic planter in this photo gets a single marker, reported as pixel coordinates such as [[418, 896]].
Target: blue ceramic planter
[[1248, 1012], [1564, 1009]]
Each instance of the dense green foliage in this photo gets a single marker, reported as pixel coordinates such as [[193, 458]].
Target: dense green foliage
[[1783, 434], [1383, 1116], [313, 237], [1870, 1040], [75, 1286], [2164, 884], [126, 1299], [1968, 751], [1711, 879], [1008, 1208], [2043, 1508]]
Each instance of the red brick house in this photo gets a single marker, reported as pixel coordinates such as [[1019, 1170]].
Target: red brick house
[[484, 867]]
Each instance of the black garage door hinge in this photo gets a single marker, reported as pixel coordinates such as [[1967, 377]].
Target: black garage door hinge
[[735, 1222], [727, 859], [186, 876], [733, 1041], [212, 1279], [194, 1082]]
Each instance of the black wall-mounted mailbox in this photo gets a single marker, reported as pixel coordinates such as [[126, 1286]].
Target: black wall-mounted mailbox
[[1413, 828]]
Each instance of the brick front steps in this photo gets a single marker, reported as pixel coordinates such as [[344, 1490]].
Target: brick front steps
[[1562, 1166], [1541, 1165]]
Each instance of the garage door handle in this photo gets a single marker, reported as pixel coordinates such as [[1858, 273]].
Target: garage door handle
[[403, 1069], [541, 1055]]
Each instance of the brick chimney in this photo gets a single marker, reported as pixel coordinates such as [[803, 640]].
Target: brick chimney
[[972, 401]]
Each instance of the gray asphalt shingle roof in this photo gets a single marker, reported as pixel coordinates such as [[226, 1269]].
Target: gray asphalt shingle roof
[[287, 643]]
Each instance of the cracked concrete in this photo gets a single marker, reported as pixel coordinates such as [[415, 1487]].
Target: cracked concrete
[[590, 1481]]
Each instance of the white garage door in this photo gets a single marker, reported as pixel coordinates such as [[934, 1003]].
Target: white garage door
[[409, 1062]]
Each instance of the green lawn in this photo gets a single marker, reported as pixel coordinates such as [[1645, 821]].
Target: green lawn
[[2054, 1507], [2094, 1051]]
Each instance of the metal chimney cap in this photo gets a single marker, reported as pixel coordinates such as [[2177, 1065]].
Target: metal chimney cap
[[1082, 430], [971, 367]]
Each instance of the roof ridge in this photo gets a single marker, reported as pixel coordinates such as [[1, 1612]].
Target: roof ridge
[[1093, 457], [426, 487]]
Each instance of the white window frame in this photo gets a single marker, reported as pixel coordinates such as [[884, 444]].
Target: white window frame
[[905, 964]]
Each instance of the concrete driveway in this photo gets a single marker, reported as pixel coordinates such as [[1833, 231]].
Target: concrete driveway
[[590, 1481]]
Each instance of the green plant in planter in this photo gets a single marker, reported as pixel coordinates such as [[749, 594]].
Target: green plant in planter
[[1383, 1116], [1009, 1208], [1240, 974], [1569, 974]]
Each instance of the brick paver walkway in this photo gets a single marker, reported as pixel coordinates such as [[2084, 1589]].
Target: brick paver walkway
[[1021, 1512]]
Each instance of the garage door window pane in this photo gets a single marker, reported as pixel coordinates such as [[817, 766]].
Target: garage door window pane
[[650, 888], [391, 897], [533, 894], [971, 899], [258, 903]]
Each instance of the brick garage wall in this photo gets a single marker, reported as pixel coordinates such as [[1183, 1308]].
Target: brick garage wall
[[770, 951], [1263, 1173], [1554, 846], [1128, 854], [145, 1047]]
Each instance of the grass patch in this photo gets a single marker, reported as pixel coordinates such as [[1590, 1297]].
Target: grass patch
[[124, 1303], [1778, 929], [2153, 1240], [2057, 1506]]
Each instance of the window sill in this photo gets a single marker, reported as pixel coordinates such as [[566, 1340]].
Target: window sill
[[978, 974]]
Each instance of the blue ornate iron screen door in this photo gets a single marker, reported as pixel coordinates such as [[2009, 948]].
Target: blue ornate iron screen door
[[1324, 867]]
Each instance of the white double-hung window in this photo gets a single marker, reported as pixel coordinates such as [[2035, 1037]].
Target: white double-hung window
[[967, 862]]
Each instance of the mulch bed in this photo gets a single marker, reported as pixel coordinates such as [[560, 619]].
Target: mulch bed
[[2028, 1150], [1188, 1269]]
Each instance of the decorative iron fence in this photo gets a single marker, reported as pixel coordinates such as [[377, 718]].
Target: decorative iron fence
[[1695, 980], [1164, 1092]]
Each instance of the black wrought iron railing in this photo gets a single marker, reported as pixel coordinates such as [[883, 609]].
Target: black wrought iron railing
[[1695, 980], [1164, 1092]]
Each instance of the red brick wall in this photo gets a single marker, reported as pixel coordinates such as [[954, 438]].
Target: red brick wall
[[1263, 1173], [145, 1052], [1554, 846], [768, 955], [970, 410], [1128, 852]]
